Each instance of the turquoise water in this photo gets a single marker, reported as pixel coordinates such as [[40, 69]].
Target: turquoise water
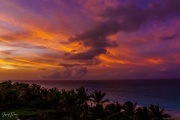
[[166, 93]]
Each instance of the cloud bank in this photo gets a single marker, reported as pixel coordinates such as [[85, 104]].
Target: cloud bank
[[125, 18]]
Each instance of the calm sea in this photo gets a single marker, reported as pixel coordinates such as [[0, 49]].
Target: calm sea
[[166, 93]]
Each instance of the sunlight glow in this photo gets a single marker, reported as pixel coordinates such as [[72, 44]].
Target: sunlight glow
[[8, 67]]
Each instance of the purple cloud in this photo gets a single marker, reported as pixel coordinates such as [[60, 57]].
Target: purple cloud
[[69, 71], [126, 18]]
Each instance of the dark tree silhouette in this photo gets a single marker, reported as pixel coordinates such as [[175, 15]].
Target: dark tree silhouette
[[98, 97], [70, 105]]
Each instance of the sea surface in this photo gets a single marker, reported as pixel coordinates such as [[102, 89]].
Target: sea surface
[[166, 93]]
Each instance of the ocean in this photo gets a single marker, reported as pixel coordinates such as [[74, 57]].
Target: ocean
[[166, 93]]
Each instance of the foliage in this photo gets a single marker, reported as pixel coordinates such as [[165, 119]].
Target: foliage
[[31, 101]]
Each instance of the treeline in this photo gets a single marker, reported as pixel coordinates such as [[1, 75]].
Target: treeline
[[72, 105]]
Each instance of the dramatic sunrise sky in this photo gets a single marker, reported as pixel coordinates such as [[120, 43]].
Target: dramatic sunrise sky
[[89, 39]]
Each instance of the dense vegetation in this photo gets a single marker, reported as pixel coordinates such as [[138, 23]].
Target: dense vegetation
[[31, 101]]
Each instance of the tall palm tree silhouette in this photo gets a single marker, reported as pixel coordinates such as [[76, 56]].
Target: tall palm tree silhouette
[[142, 113], [97, 97], [157, 113]]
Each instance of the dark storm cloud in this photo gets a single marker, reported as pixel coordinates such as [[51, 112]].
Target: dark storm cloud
[[129, 17], [69, 71], [126, 18], [169, 37], [96, 39], [90, 54], [80, 72], [92, 62], [136, 16], [167, 9], [99, 30], [83, 63]]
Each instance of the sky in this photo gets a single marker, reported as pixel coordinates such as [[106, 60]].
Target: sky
[[89, 39]]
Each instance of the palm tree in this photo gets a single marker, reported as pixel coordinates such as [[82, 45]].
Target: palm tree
[[53, 97], [142, 113], [157, 113], [113, 108], [23, 90], [10, 97], [98, 97], [9, 94], [82, 98], [69, 101], [129, 110], [33, 95], [44, 103], [116, 116], [129, 107]]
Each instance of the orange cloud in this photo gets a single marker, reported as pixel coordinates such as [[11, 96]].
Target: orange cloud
[[112, 61], [155, 60], [38, 37]]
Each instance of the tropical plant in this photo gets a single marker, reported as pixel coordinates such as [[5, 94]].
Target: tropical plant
[[157, 113], [71, 105], [142, 113], [82, 99], [53, 97], [69, 102], [129, 107], [113, 108], [98, 97]]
